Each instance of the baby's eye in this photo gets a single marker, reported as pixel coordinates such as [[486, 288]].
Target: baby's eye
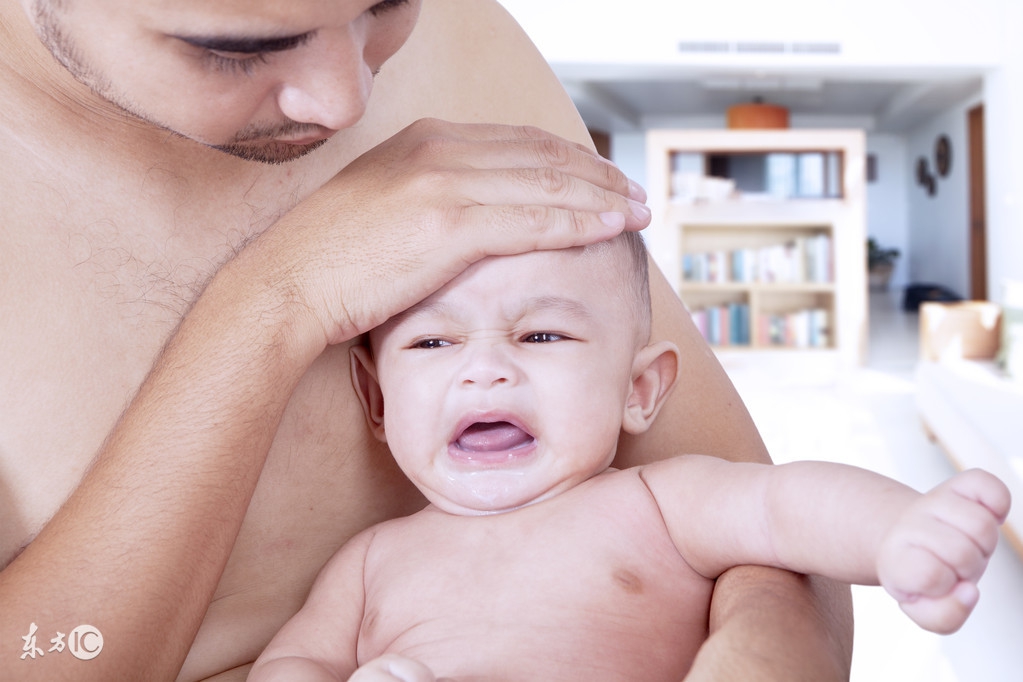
[[431, 343], [542, 337]]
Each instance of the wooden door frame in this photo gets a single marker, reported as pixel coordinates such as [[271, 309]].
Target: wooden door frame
[[978, 213]]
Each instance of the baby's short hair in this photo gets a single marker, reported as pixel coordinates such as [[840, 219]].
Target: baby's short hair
[[635, 273]]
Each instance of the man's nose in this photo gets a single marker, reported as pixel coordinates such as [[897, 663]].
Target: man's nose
[[331, 84]]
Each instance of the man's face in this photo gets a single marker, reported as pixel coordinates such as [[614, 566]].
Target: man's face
[[267, 80], [509, 385]]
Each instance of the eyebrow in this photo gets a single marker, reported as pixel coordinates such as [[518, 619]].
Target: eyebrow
[[247, 44]]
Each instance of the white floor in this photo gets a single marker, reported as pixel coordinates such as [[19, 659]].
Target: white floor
[[867, 417]]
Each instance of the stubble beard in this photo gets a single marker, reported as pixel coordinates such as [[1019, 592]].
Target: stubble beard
[[251, 144]]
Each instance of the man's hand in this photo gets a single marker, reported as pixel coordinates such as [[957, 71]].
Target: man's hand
[[412, 213], [933, 556]]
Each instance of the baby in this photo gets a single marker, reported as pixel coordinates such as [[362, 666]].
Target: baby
[[502, 397]]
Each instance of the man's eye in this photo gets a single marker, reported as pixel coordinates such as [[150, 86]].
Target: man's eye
[[542, 337], [235, 62], [386, 6], [431, 343]]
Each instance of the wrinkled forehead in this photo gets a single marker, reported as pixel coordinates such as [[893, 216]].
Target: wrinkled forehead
[[606, 280]]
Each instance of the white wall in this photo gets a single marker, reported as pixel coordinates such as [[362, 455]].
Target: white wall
[[1003, 113], [887, 201], [628, 151], [939, 224], [925, 33]]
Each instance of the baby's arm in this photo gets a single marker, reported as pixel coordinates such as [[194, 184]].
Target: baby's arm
[[838, 521], [319, 642]]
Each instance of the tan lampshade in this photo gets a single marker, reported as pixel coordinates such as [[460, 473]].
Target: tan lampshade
[[758, 115]]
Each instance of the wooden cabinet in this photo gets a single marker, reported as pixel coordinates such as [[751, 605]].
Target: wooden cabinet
[[772, 259]]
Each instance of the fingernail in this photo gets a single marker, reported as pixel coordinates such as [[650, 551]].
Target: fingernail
[[639, 211], [613, 219], [636, 191]]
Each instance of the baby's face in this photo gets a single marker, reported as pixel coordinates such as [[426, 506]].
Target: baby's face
[[508, 386]]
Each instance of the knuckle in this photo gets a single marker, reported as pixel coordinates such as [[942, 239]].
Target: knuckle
[[534, 217], [432, 182], [429, 148], [529, 132], [425, 125], [551, 180], [614, 178], [553, 152]]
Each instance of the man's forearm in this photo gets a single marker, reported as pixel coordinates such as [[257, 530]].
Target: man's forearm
[[769, 625], [139, 547]]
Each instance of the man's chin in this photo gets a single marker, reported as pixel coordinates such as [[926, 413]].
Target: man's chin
[[269, 152]]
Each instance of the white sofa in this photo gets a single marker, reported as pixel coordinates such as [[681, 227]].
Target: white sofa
[[966, 401]]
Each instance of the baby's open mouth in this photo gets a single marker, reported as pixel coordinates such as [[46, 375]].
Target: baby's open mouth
[[492, 437]]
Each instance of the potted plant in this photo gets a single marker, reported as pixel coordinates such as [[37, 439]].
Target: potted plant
[[880, 264]]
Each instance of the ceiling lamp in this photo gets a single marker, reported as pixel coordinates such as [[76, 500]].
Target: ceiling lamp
[[757, 114]]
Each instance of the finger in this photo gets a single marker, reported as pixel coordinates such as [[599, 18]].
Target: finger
[[944, 615], [519, 229], [546, 186], [491, 146], [553, 152], [408, 670], [916, 572], [960, 552], [967, 517], [393, 667], [985, 489]]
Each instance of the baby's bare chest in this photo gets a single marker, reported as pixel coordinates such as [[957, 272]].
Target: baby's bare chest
[[591, 591]]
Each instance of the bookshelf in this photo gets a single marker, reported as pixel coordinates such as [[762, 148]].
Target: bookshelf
[[773, 258]]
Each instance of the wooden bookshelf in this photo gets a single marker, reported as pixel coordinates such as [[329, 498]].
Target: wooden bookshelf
[[761, 271]]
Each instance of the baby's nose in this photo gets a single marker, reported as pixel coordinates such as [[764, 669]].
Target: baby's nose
[[488, 366]]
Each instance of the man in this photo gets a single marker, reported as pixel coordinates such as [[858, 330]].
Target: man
[[146, 146]]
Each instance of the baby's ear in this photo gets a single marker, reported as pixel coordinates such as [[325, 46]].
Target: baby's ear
[[364, 379], [654, 372]]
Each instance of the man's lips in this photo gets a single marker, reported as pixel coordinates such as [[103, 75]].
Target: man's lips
[[302, 141]]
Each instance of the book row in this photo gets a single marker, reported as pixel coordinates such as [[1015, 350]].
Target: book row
[[731, 325], [798, 260]]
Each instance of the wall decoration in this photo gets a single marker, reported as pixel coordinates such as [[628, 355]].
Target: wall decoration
[[943, 155], [922, 171]]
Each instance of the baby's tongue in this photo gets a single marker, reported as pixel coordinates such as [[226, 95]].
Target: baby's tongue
[[492, 437]]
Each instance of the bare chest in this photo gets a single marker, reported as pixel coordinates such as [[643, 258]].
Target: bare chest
[[90, 289], [582, 591]]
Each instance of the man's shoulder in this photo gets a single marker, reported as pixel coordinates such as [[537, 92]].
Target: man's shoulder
[[469, 61]]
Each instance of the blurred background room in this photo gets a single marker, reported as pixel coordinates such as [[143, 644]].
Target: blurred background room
[[837, 194]]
